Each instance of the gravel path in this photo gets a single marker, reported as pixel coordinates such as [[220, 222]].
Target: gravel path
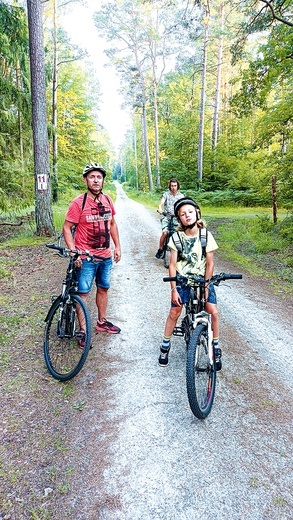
[[119, 441], [165, 463]]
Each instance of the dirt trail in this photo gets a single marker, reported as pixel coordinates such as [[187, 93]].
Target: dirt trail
[[119, 441]]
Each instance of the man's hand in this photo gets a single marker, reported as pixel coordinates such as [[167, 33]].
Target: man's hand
[[117, 254]]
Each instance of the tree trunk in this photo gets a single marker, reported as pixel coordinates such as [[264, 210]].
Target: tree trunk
[[54, 109], [157, 147], [135, 158], [202, 105], [274, 196], [19, 114], [44, 220], [218, 84], [146, 147]]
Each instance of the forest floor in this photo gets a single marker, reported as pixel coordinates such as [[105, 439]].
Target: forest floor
[[119, 441]]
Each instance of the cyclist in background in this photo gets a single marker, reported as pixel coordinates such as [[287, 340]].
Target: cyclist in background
[[166, 210], [92, 216], [190, 261]]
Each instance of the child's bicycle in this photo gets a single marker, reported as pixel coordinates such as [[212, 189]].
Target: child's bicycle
[[171, 229], [196, 327], [67, 337]]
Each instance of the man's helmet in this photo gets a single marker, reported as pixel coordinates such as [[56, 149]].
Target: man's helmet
[[186, 200], [93, 167]]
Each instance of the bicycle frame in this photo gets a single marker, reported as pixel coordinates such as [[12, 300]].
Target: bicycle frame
[[195, 314]]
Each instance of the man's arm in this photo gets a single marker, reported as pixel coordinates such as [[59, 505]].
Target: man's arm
[[161, 204], [66, 230], [115, 237]]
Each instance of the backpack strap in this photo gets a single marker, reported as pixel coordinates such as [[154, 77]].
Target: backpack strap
[[203, 236], [177, 243], [73, 229], [84, 201]]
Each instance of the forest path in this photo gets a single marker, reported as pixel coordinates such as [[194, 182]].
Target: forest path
[[119, 441]]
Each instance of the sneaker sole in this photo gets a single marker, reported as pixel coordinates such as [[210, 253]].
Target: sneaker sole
[[163, 364], [109, 331]]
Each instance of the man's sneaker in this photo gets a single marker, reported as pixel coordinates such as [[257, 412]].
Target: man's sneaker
[[163, 359], [159, 253], [218, 356], [107, 326]]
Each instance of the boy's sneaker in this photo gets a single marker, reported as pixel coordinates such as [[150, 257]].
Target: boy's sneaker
[[163, 358], [107, 326], [218, 356], [159, 253]]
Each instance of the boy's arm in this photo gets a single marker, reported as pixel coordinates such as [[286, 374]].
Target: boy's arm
[[209, 268], [172, 272]]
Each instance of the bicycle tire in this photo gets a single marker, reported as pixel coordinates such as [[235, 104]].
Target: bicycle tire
[[200, 375], [167, 255], [64, 357]]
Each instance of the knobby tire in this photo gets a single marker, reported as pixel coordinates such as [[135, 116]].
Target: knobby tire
[[64, 357], [167, 255], [200, 375]]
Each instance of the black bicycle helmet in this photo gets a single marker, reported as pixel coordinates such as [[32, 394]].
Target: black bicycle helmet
[[186, 200], [93, 167]]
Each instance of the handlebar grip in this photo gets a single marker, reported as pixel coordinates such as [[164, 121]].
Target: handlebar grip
[[170, 279], [53, 246], [235, 276]]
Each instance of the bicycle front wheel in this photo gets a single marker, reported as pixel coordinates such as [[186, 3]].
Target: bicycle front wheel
[[65, 346], [200, 374], [167, 255]]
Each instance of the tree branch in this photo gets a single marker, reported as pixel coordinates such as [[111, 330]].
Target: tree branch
[[275, 16]]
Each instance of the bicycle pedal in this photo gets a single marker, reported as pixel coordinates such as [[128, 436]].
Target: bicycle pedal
[[178, 331]]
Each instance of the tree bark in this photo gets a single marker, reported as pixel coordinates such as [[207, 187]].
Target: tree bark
[[44, 220], [202, 105]]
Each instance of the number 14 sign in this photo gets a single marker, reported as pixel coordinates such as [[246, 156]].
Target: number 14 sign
[[42, 182]]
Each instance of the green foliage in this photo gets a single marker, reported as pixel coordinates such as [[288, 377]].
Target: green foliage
[[260, 245]]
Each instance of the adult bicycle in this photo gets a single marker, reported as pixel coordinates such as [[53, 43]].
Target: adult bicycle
[[170, 230], [196, 327], [67, 337]]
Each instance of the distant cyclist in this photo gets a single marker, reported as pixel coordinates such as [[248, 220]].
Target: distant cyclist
[[166, 210]]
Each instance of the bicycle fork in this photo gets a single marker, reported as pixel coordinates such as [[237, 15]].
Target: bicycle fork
[[205, 318]]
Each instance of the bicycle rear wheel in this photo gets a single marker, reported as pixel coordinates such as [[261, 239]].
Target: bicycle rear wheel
[[65, 347], [200, 375]]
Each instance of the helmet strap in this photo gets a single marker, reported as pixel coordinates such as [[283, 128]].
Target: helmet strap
[[190, 226], [95, 195]]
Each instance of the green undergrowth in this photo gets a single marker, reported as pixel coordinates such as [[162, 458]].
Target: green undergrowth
[[248, 237], [260, 246]]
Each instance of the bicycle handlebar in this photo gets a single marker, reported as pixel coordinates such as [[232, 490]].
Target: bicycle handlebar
[[215, 279], [65, 252], [166, 214]]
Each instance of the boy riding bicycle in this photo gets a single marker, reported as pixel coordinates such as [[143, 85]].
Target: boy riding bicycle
[[190, 260], [169, 198]]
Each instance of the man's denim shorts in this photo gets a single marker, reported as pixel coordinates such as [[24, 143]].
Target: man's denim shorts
[[100, 271], [184, 294]]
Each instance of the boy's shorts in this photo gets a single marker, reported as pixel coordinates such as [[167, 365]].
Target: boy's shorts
[[184, 295], [165, 223], [100, 271]]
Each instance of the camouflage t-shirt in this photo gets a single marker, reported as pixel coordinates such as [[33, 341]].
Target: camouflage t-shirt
[[191, 260]]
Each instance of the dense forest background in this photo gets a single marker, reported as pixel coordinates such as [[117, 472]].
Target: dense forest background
[[208, 84]]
